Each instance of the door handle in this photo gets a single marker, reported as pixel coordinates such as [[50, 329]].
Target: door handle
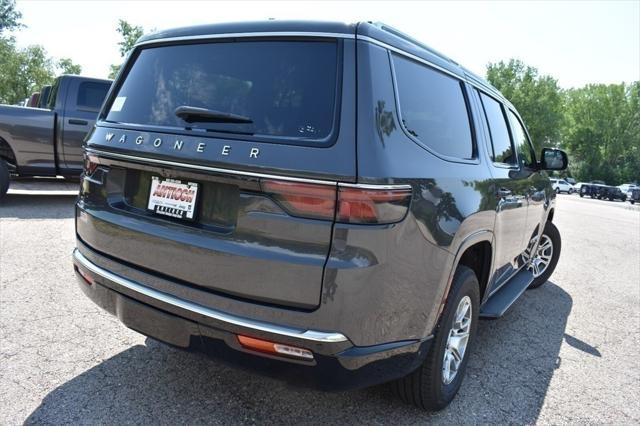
[[78, 122]]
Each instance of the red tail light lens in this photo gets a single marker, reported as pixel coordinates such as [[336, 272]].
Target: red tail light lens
[[372, 205], [303, 199], [355, 204]]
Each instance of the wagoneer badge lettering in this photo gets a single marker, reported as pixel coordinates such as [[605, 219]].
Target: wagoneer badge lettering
[[179, 144]]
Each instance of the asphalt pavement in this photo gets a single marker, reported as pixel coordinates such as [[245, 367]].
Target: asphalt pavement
[[567, 352]]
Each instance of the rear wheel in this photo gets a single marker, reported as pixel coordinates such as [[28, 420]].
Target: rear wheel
[[545, 258], [4, 178], [435, 383]]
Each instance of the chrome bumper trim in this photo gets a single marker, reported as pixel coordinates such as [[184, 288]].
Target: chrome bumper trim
[[309, 335]]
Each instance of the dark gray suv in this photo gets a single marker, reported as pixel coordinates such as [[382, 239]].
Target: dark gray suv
[[330, 204]]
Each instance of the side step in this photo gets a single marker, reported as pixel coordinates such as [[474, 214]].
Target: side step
[[502, 300]]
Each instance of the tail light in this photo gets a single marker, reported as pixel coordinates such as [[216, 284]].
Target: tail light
[[346, 203], [358, 204], [303, 199]]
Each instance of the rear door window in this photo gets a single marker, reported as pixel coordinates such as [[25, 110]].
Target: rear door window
[[433, 109], [523, 146], [287, 88], [501, 144]]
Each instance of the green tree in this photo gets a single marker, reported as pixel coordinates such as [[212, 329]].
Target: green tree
[[9, 16], [66, 66], [22, 71], [602, 132], [130, 34], [537, 98]]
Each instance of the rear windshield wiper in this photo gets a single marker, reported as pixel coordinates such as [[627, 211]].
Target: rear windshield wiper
[[202, 115]]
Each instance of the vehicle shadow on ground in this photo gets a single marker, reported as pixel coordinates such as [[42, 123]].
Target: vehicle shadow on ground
[[37, 206], [507, 380]]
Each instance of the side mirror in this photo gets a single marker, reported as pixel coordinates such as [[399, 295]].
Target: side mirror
[[553, 159]]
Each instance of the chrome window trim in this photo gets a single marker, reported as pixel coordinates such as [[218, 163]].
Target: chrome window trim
[[462, 77], [310, 335], [247, 34], [126, 157]]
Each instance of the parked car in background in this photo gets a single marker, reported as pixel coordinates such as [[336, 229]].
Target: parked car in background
[[48, 142], [338, 208], [571, 181], [627, 187], [561, 185], [577, 186], [633, 195], [44, 97], [602, 192], [33, 100]]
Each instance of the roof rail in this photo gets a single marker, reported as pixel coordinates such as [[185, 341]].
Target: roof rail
[[408, 38]]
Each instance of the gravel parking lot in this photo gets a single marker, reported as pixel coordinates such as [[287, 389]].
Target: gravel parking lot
[[566, 353]]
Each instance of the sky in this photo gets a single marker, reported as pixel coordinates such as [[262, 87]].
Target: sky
[[576, 42]]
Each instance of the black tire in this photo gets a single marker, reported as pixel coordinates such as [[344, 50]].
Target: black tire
[[557, 190], [4, 178], [554, 235], [425, 387], [633, 202]]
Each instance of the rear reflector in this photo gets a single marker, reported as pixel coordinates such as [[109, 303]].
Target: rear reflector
[[86, 277], [354, 203], [274, 348]]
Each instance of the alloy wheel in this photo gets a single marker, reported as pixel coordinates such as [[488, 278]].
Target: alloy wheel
[[540, 260], [457, 341]]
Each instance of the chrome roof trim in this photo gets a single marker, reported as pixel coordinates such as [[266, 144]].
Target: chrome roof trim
[[247, 34], [309, 335], [464, 77]]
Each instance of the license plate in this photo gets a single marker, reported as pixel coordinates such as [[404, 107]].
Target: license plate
[[173, 198]]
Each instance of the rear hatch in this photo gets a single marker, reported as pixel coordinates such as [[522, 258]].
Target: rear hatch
[[214, 164]]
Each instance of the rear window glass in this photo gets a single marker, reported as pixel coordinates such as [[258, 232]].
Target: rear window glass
[[91, 95], [286, 88], [433, 109]]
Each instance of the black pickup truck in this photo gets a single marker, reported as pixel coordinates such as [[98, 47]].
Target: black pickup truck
[[48, 141]]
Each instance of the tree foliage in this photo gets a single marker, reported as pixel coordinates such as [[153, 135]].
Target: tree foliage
[[130, 34], [602, 132], [66, 66], [598, 125], [9, 16], [537, 98], [24, 71]]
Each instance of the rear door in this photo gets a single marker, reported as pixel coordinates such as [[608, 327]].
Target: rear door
[[266, 180], [536, 184], [82, 105], [511, 191]]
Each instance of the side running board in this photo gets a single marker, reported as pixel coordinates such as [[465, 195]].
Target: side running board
[[502, 300]]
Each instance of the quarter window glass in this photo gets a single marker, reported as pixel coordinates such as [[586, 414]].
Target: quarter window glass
[[433, 109], [91, 95], [500, 139], [525, 152]]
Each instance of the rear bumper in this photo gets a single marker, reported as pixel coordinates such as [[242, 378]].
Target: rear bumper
[[337, 363]]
